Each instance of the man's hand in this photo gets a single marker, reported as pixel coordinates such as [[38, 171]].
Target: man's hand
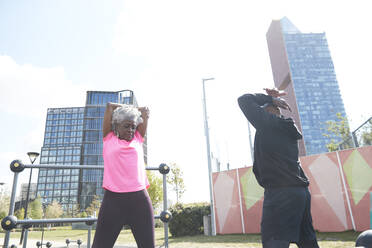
[[275, 92], [281, 103]]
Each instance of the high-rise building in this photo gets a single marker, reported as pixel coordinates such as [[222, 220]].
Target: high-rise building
[[302, 66], [73, 136], [31, 194]]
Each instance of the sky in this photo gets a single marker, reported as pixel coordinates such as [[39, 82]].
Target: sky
[[52, 52]]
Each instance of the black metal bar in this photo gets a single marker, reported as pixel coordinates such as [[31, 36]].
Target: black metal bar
[[59, 166], [11, 207], [89, 221], [26, 207], [59, 220], [165, 207]]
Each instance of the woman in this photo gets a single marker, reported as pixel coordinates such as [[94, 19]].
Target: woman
[[126, 200]]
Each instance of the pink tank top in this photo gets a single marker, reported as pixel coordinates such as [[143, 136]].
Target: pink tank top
[[124, 167]]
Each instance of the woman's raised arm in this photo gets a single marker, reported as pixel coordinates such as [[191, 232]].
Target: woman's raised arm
[[142, 127], [106, 127]]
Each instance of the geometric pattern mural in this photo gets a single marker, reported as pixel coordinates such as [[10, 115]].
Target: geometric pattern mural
[[340, 186], [358, 177], [224, 185], [252, 191], [330, 186]]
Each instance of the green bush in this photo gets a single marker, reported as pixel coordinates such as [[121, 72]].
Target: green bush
[[187, 219], [2, 216]]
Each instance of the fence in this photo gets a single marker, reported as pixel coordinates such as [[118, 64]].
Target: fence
[[10, 221], [340, 186], [362, 136]]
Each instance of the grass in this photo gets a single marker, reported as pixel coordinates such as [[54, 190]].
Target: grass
[[326, 240]]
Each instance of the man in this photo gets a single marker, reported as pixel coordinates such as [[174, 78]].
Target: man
[[286, 216]]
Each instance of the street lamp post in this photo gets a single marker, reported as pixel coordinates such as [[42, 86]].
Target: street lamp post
[[213, 222], [33, 156], [1, 188]]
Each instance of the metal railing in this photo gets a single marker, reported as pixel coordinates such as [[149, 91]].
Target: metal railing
[[362, 136], [10, 222]]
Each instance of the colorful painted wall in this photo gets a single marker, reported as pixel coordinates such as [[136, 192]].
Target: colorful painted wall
[[340, 186]]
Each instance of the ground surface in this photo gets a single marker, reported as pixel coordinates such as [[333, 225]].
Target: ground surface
[[57, 237]]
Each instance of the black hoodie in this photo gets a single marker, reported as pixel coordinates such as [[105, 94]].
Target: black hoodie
[[276, 161]]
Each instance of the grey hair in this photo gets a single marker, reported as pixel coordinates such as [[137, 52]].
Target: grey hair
[[124, 113]]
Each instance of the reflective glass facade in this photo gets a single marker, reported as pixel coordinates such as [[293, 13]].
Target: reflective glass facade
[[74, 136], [315, 87], [62, 145]]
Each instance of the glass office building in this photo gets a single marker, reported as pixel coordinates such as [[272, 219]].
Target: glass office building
[[73, 136], [305, 61]]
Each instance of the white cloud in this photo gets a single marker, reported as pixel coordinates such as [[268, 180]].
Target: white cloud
[[184, 42], [26, 92], [29, 90], [181, 43]]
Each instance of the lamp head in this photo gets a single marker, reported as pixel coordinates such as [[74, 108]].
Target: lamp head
[[207, 79], [33, 156]]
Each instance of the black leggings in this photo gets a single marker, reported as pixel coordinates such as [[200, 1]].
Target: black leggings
[[118, 209]]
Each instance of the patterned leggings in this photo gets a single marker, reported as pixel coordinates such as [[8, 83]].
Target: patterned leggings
[[117, 209]]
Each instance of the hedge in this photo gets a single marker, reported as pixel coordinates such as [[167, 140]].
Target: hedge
[[187, 219]]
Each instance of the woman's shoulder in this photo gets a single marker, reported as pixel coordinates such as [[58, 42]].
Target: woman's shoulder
[[138, 137], [109, 136]]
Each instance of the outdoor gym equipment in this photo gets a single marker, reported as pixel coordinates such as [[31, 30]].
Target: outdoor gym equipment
[[10, 221], [47, 244], [78, 242], [364, 239]]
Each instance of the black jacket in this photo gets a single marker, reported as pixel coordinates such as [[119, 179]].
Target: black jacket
[[276, 161]]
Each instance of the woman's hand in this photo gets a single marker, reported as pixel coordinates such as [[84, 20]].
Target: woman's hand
[[275, 92], [145, 112]]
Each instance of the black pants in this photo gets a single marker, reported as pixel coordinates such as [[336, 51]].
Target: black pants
[[286, 218], [118, 209], [285, 244]]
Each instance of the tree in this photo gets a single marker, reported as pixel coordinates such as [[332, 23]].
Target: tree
[[20, 213], [2, 215], [53, 210], [93, 208], [367, 133], [367, 138], [35, 209], [75, 212], [83, 214], [156, 189], [175, 179], [339, 130], [4, 203]]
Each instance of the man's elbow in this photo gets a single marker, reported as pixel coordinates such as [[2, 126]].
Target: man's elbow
[[244, 99]]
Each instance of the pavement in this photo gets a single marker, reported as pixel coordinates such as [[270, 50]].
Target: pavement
[[31, 243]]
